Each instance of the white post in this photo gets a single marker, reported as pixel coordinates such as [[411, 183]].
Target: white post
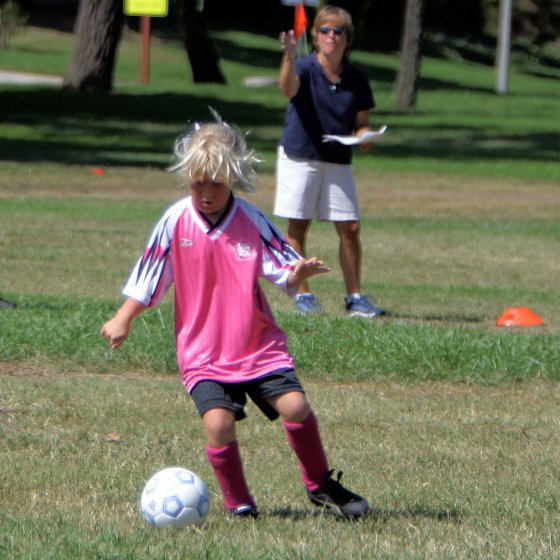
[[504, 46]]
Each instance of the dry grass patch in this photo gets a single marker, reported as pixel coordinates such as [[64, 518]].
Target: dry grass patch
[[381, 193], [451, 470], [459, 249], [437, 195]]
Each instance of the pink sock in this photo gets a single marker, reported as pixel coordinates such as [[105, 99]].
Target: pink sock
[[228, 469], [305, 440]]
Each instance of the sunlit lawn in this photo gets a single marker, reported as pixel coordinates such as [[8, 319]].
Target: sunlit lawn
[[446, 422]]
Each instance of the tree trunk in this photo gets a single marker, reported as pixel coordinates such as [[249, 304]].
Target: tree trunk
[[203, 57], [409, 72], [97, 34]]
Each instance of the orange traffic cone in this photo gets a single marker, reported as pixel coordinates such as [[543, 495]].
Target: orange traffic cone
[[518, 317]]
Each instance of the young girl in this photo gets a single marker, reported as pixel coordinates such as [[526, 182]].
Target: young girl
[[214, 247]]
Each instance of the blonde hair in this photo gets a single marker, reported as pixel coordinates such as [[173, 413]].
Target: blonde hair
[[218, 150], [328, 13]]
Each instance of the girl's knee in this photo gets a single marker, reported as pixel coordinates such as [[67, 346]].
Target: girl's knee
[[219, 425], [298, 415], [292, 407]]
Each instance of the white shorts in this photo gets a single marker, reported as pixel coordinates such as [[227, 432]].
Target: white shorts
[[306, 189]]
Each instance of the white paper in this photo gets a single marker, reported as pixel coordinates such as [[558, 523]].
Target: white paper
[[354, 140]]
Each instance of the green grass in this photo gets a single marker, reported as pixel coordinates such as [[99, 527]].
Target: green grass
[[63, 333], [459, 127], [446, 422]]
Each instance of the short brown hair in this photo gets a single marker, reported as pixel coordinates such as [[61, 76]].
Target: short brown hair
[[329, 12]]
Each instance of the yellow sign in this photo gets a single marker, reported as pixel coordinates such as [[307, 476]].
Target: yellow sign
[[155, 8]]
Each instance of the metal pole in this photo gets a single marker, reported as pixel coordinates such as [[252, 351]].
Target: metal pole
[[504, 46], [145, 30]]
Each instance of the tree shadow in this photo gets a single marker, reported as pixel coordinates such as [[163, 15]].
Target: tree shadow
[[479, 50], [380, 75], [93, 125], [257, 57], [110, 129], [478, 144], [386, 77], [61, 18]]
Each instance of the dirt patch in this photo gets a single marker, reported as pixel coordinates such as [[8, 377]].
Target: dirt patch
[[386, 194], [444, 195], [31, 369], [21, 369]]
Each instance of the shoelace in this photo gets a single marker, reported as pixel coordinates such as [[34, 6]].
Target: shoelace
[[338, 475], [336, 490]]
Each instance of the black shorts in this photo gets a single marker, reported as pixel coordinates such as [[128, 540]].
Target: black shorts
[[233, 396]]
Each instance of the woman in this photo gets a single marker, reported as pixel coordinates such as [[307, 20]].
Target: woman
[[327, 96]]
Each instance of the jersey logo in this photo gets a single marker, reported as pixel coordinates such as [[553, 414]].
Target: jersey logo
[[185, 242], [243, 250]]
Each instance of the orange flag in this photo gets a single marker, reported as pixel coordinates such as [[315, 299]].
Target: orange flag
[[300, 21]]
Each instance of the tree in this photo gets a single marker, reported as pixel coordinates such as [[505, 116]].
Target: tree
[[203, 57], [97, 32], [11, 19], [408, 76]]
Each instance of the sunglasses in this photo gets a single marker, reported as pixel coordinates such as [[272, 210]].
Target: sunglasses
[[325, 30]]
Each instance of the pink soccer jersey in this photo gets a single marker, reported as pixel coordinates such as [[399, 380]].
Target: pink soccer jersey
[[224, 328]]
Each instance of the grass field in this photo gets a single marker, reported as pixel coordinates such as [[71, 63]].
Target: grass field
[[446, 422], [452, 471]]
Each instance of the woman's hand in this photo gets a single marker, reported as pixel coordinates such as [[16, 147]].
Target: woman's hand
[[366, 146], [288, 42]]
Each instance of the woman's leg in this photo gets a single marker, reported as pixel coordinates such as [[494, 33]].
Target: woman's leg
[[296, 237], [350, 253]]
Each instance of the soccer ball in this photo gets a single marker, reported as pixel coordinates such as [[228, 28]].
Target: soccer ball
[[175, 497]]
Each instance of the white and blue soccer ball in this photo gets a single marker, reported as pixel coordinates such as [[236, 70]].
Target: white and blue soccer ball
[[175, 497]]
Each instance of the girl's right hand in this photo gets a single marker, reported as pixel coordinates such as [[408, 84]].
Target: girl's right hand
[[115, 331]]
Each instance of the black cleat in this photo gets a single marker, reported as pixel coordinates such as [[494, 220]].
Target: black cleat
[[244, 511], [338, 499]]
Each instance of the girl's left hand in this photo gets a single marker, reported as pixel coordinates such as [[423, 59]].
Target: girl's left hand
[[306, 268]]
